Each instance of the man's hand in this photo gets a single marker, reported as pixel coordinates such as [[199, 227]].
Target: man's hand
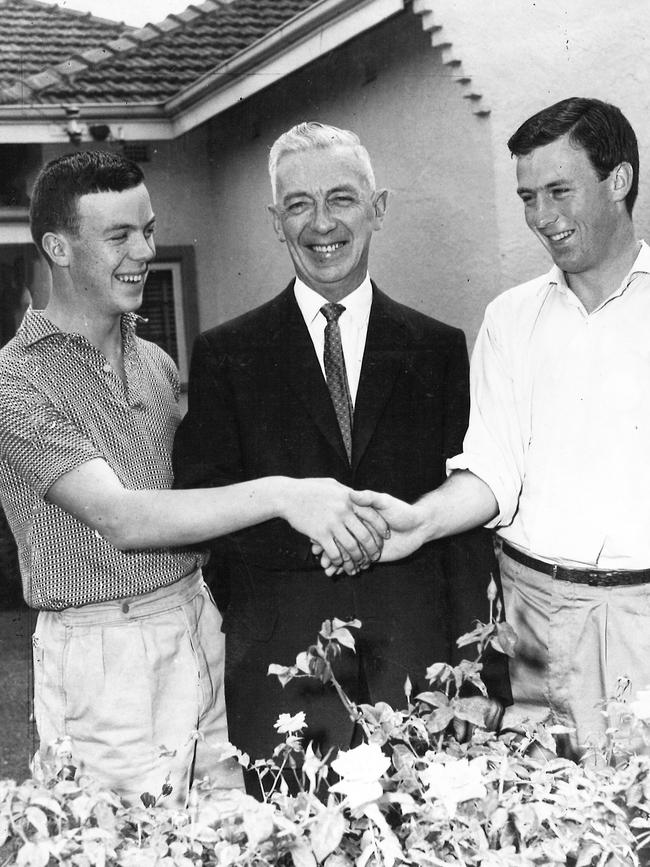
[[405, 523], [347, 535]]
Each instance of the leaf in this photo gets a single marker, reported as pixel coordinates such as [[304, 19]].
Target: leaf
[[586, 854], [338, 860], [440, 672], [406, 802], [33, 854], [4, 830], [337, 624], [302, 855], [640, 823], [284, 673], [313, 663], [38, 819], [344, 637], [478, 635], [366, 854], [505, 641], [471, 709], [499, 819], [402, 756], [526, 820], [326, 833], [439, 719], [434, 698], [47, 803], [468, 671], [205, 834]]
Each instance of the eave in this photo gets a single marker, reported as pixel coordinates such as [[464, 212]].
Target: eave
[[311, 34]]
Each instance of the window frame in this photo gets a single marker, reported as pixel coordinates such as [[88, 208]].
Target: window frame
[[180, 260]]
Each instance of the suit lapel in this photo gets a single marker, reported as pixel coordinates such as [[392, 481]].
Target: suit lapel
[[296, 359], [384, 358]]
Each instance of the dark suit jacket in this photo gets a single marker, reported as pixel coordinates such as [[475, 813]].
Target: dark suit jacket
[[259, 406]]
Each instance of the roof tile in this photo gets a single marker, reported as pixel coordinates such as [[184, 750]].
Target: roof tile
[[170, 56], [145, 34], [35, 36], [42, 80], [121, 44], [97, 55], [70, 66]]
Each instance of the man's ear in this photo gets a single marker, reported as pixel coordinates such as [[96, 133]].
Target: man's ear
[[57, 248], [277, 222], [622, 177], [380, 203]]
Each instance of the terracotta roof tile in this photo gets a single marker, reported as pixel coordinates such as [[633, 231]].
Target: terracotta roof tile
[[154, 63], [35, 36]]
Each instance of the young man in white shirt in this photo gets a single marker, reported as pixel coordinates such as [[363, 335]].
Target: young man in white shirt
[[556, 455]]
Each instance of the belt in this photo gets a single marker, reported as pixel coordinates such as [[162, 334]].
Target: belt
[[593, 577]]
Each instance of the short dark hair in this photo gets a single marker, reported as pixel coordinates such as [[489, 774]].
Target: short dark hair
[[64, 180], [598, 127]]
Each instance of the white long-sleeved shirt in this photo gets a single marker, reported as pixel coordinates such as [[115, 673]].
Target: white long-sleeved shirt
[[560, 420], [353, 324]]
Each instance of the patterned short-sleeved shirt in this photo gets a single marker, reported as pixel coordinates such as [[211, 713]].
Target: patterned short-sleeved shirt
[[61, 404]]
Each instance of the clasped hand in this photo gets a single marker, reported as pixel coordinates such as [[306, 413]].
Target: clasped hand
[[347, 535], [350, 529]]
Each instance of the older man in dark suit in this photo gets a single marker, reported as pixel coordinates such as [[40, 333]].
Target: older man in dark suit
[[331, 378]]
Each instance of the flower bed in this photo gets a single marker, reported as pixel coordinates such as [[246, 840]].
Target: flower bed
[[412, 793]]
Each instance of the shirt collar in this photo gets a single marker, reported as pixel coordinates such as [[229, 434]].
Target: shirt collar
[[36, 326], [641, 265], [357, 304]]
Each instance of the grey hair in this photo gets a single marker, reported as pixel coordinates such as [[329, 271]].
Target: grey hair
[[311, 135]]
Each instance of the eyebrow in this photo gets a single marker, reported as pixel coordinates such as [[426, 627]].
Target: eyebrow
[[342, 188], [117, 227], [558, 182]]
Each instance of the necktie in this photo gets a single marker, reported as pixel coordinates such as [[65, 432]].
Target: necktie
[[337, 380]]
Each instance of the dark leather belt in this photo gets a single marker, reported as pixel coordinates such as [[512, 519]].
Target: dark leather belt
[[593, 577]]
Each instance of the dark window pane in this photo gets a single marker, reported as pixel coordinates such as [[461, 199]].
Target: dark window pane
[[158, 309]]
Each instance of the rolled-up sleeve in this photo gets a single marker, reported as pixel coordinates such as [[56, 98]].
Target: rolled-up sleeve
[[493, 448]]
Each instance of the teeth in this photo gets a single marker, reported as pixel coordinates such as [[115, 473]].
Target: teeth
[[326, 248], [129, 278], [560, 236]]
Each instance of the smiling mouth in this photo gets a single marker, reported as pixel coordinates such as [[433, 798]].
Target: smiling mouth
[[326, 249], [131, 278], [560, 236]]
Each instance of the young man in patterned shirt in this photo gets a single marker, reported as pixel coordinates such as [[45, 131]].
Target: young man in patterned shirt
[[128, 650]]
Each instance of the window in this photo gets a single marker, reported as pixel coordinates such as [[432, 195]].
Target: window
[[18, 162], [169, 305], [162, 307]]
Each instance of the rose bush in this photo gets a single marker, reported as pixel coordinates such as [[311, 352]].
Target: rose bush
[[414, 792]]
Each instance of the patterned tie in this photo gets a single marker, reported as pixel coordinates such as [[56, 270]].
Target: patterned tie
[[337, 380]]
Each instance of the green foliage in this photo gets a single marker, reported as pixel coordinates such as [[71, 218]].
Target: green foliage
[[430, 785]]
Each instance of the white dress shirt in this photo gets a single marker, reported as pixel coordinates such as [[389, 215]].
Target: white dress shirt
[[560, 420], [353, 324]]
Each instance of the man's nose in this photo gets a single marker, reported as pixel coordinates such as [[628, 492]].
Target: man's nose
[[143, 248], [322, 220], [545, 213]]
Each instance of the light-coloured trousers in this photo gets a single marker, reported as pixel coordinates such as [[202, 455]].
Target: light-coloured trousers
[[575, 641], [136, 685]]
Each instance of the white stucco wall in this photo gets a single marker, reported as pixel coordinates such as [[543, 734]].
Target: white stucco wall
[[524, 55]]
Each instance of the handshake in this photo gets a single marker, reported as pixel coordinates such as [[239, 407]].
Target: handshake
[[350, 529]]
